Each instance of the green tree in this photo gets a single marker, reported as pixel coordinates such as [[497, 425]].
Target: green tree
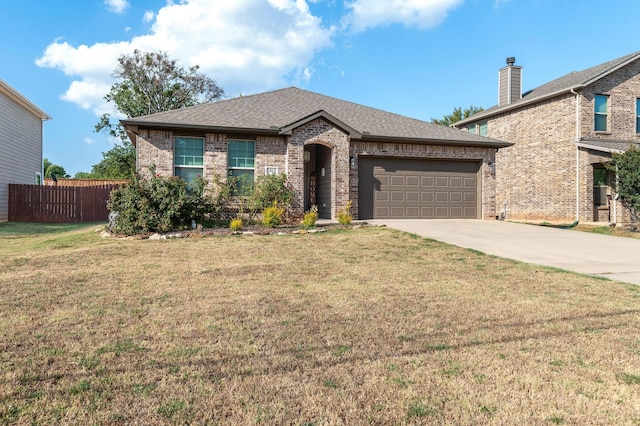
[[147, 83], [50, 168], [117, 163], [457, 115], [627, 169]]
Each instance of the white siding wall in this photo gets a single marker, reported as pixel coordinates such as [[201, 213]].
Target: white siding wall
[[20, 148]]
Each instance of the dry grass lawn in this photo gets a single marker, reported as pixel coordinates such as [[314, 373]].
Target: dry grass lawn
[[367, 326]]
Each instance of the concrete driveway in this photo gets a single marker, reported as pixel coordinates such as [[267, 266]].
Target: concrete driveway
[[615, 258]]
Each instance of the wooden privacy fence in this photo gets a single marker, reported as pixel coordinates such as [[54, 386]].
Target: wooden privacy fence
[[51, 204]]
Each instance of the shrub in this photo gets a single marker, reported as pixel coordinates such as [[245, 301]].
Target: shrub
[[310, 218], [163, 204], [627, 168], [272, 216], [344, 214], [236, 224], [267, 190]]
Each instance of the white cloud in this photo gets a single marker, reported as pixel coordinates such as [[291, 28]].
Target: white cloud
[[245, 45], [148, 16], [90, 141], [413, 13], [498, 3], [117, 6]]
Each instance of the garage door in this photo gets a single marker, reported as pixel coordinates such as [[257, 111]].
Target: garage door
[[392, 188]]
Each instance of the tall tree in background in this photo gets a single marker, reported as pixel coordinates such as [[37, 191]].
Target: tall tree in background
[[148, 82], [50, 168], [457, 115]]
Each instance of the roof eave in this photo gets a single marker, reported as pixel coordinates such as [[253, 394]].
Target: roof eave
[[274, 130], [612, 70], [22, 101], [353, 133], [448, 142], [506, 108]]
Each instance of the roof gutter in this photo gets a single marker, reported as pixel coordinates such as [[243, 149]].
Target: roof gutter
[[489, 113], [274, 130], [491, 143]]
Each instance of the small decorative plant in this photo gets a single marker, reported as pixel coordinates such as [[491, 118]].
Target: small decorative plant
[[272, 216], [344, 214], [236, 224], [310, 218]]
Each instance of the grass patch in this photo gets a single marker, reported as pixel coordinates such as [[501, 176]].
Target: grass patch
[[19, 229], [366, 326]]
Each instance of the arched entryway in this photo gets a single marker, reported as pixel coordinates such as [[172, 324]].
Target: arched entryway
[[317, 178]]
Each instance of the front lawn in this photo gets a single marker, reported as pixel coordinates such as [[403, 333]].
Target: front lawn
[[366, 326]]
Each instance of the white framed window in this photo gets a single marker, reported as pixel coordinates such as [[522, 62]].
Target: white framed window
[[483, 127], [241, 160], [188, 158], [471, 128], [601, 111], [38, 178], [271, 170]]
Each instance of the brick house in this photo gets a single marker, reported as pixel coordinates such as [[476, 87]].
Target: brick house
[[563, 133], [332, 152], [21, 129]]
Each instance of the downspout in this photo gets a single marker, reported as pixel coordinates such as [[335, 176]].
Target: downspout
[[615, 200], [577, 155]]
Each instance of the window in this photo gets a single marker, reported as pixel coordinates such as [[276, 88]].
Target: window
[[600, 186], [241, 163], [188, 158], [38, 178], [601, 112], [483, 128], [471, 128], [637, 115]]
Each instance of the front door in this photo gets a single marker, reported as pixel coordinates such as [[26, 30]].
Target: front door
[[318, 179]]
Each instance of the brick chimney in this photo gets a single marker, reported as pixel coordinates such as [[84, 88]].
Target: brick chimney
[[509, 83]]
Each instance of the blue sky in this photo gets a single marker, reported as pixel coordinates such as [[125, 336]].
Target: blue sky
[[419, 58]]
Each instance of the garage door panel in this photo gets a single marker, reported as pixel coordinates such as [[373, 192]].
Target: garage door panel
[[455, 182], [427, 181], [397, 180], [442, 181], [455, 197], [427, 197], [412, 196], [470, 183], [412, 188], [397, 196], [382, 196], [442, 197], [412, 212]]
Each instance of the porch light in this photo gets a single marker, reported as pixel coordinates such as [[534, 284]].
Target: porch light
[[352, 161], [492, 168]]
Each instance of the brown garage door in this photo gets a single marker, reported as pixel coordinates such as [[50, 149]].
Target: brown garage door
[[393, 188]]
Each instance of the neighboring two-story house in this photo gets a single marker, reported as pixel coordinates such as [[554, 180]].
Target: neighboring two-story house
[[563, 133], [332, 151], [21, 124]]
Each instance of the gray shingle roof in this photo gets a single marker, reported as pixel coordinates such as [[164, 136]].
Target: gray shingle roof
[[607, 145], [273, 111], [573, 80]]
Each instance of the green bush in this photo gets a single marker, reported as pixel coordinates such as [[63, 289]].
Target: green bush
[[627, 169], [310, 218], [163, 204], [267, 190], [272, 216], [344, 214]]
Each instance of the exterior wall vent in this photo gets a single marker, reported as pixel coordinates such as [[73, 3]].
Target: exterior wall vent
[[509, 83]]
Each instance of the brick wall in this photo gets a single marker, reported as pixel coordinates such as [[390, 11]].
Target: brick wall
[[538, 176], [287, 154], [320, 131]]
